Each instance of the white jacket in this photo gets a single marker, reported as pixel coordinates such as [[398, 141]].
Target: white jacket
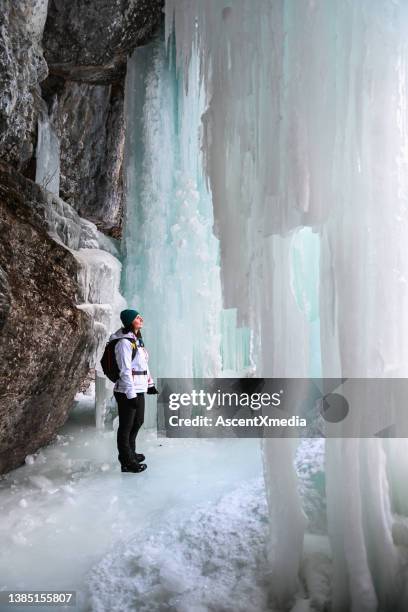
[[129, 383]]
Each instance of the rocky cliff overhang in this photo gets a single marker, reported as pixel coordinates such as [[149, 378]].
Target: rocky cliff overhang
[[90, 41]]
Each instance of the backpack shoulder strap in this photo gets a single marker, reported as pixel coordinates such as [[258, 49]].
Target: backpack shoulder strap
[[132, 342]]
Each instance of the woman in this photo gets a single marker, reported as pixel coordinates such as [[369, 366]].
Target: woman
[[134, 381]]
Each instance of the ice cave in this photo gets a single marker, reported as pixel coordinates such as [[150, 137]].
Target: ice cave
[[263, 234]]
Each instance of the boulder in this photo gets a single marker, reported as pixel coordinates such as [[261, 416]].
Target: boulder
[[45, 339]]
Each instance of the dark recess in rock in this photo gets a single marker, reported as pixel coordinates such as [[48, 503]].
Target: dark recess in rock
[[52, 86], [4, 298]]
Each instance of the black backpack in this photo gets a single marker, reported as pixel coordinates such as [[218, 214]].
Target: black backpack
[[108, 362]]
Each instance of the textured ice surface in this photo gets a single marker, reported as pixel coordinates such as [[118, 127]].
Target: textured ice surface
[[208, 558], [214, 557]]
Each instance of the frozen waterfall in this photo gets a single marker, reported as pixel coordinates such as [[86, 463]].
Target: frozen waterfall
[[170, 254], [305, 126]]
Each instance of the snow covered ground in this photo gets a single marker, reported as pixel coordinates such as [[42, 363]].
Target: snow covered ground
[[192, 527]]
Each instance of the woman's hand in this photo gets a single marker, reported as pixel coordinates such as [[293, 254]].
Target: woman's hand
[[152, 391]]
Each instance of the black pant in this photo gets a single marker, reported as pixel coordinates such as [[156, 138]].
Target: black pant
[[131, 417]]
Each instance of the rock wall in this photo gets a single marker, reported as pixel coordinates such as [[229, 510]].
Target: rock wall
[[45, 339], [22, 69], [91, 116]]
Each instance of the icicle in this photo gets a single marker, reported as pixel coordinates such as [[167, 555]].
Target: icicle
[[48, 156], [306, 125]]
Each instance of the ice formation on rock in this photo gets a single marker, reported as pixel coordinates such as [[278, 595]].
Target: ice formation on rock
[[99, 269]]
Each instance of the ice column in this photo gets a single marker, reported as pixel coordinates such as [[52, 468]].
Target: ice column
[[306, 125], [364, 284]]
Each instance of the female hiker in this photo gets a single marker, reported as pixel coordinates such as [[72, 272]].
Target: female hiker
[[134, 381]]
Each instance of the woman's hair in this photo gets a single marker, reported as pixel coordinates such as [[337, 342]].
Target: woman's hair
[[129, 328]]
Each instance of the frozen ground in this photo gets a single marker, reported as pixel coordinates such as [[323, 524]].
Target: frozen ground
[[192, 526]]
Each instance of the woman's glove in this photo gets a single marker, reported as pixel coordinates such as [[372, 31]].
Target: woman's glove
[[152, 391]]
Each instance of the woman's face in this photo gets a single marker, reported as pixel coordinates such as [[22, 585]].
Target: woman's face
[[138, 323]]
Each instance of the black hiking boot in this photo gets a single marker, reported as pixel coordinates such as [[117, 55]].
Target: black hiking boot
[[138, 457], [134, 467]]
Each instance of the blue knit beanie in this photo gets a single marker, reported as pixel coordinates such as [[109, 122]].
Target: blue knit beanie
[[127, 316]]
